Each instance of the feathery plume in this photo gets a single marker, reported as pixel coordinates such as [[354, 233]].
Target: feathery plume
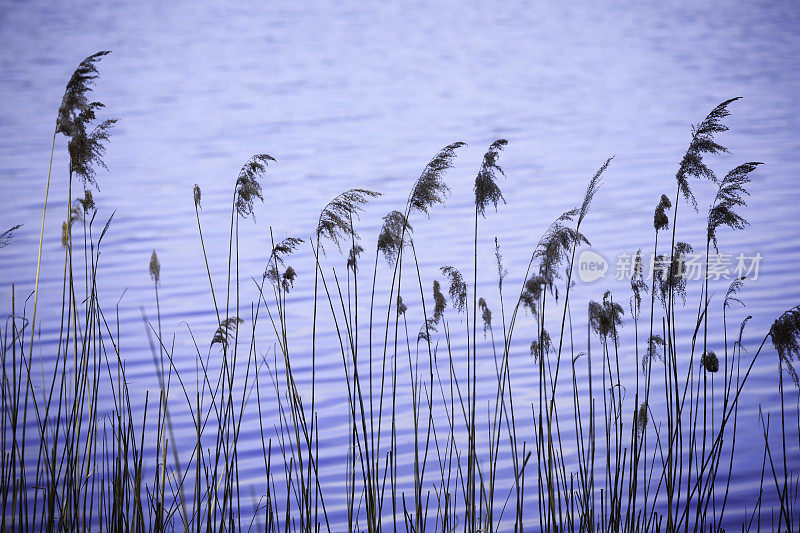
[[7, 235], [692, 164], [277, 257], [75, 213], [543, 345], [671, 275], [439, 305], [710, 361], [87, 202], [65, 233], [394, 225], [555, 245], [75, 99], [288, 277], [77, 118], [458, 289], [604, 318], [155, 268], [226, 331], [730, 195], [660, 217], [197, 194], [335, 219], [486, 315], [785, 333], [733, 289], [430, 188], [652, 351], [637, 284], [532, 292], [352, 258], [439, 302], [641, 419], [248, 187], [401, 307], [501, 270], [486, 190], [591, 190]]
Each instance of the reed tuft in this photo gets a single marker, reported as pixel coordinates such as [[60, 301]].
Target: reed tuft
[[486, 189], [430, 188], [248, 188], [692, 164], [458, 288], [731, 194], [660, 217], [336, 218], [785, 333], [604, 318], [7, 235], [155, 268], [710, 361], [226, 331], [395, 224]]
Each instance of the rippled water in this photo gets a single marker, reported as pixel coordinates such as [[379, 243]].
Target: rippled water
[[345, 95]]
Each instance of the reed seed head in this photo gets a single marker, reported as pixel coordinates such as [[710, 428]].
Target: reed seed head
[[501, 270], [77, 119], [660, 217], [652, 351], [65, 233], [486, 189], [785, 333], [352, 258], [532, 292], [197, 194], [277, 258], [395, 224], [671, 275], [733, 289], [75, 97], [486, 315], [7, 235], [336, 218], [226, 331], [730, 195], [702, 142], [458, 289], [439, 302], [641, 420], [430, 188], [288, 277], [248, 188], [556, 244], [401, 307], [541, 346], [155, 268], [87, 202], [604, 318], [710, 361], [638, 286], [591, 190]]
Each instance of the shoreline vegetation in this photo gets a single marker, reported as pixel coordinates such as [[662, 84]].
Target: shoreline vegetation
[[653, 455]]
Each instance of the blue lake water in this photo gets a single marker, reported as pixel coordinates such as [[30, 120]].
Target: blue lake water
[[346, 95]]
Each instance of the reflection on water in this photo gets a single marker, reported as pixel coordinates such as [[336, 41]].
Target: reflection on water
[[345, 95]]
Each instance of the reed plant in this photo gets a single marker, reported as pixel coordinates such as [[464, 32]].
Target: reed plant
[[434, 442]]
